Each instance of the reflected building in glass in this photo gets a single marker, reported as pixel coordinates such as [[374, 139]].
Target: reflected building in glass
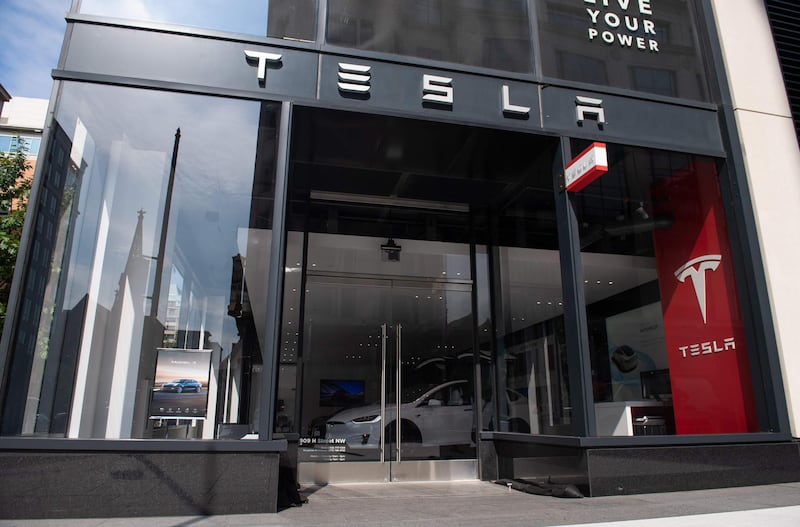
[[327, 241]]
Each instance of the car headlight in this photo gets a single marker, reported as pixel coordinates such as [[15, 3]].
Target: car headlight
[[367, 419]]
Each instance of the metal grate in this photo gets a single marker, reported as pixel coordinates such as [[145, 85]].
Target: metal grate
[[784, 19]]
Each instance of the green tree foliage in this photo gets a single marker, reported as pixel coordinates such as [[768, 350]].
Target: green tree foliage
[[14, 191]]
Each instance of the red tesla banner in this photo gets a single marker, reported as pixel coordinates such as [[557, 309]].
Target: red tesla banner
[[709, 372]]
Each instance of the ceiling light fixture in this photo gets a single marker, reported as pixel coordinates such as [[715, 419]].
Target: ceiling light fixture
[[391, 250]]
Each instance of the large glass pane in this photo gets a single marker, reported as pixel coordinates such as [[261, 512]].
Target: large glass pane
[[386, 341], [344, 382], [435, 363], [486, 33], [145, 300], [291, 19], [639, 45], [666, 335], [532, 385], [287, 409], [488, 187], [531, 373]]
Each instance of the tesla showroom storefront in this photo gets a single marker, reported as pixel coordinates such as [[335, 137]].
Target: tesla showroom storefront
[[361, 240]]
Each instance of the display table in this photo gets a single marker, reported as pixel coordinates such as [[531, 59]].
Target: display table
[[618, 418]]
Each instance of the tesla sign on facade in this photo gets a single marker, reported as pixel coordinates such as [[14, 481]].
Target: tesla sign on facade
[[711, 388]]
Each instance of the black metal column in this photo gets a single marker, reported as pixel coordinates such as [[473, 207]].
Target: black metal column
[[580, 376], [275, 280]]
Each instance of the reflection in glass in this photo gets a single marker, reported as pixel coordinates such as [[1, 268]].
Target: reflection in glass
[[486, 33], [291, 19], [286, 406], [533, 390], [653, 80], [532, 393], [652, 48], [153, 301]]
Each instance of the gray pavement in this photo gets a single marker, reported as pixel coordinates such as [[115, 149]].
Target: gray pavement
[[473, 503]]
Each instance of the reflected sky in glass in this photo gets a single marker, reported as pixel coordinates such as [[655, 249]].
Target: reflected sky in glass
[[241, 16], [133, 133]]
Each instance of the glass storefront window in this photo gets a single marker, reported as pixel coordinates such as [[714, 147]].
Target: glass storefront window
[[533, 390], [666, 336], [644, 46], [532, 381], [286, 403], [144, 301], [290, 19], [486, 33]]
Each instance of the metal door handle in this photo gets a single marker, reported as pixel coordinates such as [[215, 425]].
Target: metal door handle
[[398, 426], [383, 391]]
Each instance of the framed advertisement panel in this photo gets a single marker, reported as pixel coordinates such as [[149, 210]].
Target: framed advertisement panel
[[180, 385]]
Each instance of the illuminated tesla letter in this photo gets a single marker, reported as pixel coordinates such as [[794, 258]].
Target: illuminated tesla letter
[[354, 78], [587, 106], [437, 89], [262, 58], [512, 108]]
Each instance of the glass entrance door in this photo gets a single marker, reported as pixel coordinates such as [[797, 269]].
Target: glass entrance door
[[387, 379]]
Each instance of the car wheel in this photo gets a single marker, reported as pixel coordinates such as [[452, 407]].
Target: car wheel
[[519, 425], [409, 433], [179, 389]]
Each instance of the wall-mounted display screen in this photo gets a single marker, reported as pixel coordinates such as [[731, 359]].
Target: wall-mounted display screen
[[341, 392]]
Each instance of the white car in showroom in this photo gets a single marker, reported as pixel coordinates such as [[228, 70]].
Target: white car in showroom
[[438, 415]]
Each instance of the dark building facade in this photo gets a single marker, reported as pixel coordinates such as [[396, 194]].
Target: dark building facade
[[353, 240]]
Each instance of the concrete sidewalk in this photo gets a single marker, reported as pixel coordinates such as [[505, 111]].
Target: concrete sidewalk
[[473, 503]]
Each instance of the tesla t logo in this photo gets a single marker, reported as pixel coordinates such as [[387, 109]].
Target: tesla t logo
[[696, 270]]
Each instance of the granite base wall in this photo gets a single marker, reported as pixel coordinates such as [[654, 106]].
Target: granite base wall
[[609, 471], [35, 484], [616, 471]]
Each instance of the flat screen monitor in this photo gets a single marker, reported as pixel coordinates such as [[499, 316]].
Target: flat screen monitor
[[656, 385], [341, 392]]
